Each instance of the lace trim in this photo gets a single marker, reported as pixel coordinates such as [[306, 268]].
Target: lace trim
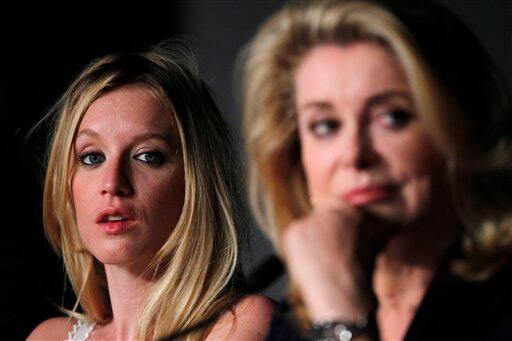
[[81, 331]]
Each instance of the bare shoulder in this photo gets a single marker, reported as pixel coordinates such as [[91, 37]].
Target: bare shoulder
[[255, 305], [56, 328], [248, 320]]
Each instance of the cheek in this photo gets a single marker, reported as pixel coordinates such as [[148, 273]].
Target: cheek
[[411, 155], [82, 199], [318, 164], [84, 206], [417, 165], [162, 199]]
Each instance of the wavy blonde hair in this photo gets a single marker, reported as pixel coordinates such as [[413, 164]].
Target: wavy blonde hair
[[456, 91], [197, 267]]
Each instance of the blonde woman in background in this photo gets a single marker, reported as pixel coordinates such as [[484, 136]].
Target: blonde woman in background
[[139, 202], [379, 137]]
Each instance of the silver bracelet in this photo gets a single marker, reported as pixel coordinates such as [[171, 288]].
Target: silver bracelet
[[338, 330]]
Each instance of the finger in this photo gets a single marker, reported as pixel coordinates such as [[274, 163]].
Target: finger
[[337, 206], [332, 203]]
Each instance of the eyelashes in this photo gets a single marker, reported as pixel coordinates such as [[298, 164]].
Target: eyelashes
[[324, 127], [393, 120], [153, 158], [92, 159]]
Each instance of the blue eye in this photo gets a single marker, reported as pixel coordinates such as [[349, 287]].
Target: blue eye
[[395, 119], [92, 159], [154, 158], [324, 127]]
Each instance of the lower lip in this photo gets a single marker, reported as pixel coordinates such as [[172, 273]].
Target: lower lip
[[115, 227], [369, 196]]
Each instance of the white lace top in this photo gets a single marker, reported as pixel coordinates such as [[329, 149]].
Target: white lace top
[[81, 330]]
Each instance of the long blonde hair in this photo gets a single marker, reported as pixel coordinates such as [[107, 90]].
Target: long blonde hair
[[456, 91], [197, 266]]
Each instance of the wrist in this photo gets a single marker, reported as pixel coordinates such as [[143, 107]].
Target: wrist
[[330, 301], [340, 330]]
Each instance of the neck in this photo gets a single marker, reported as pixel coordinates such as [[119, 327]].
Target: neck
[[399, 273], [404, 271], [127, 291]]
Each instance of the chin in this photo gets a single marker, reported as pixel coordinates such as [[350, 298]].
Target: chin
[[115, 259], [117, 253], [390, 212]]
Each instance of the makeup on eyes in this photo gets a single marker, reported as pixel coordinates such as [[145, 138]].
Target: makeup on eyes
[[394, 118], [322, 128], [151, 157], [91, 158], [149, 148]]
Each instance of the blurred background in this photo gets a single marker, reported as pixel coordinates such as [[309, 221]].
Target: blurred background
[[45, 46]]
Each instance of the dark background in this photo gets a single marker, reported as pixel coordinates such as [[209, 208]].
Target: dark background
[[43, 48]]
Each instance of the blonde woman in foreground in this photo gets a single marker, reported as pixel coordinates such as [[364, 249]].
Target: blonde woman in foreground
[[380, 144], [139, 202]]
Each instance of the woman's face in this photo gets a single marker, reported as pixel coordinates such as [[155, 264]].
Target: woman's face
[[361, 140], [128, 187]]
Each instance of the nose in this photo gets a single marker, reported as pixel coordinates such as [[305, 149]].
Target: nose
[[356, 150], [116, 179]]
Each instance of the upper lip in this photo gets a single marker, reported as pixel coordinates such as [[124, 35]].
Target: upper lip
[[117, 211]]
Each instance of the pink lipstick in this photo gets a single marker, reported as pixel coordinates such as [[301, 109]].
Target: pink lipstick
[[368, 194], [114, 221]]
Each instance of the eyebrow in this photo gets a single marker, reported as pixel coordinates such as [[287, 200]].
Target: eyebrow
[[138, 138], [320, 105], [372, 101]]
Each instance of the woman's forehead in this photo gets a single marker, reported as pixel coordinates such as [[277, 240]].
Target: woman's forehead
[[132, 109], [352, 72]]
